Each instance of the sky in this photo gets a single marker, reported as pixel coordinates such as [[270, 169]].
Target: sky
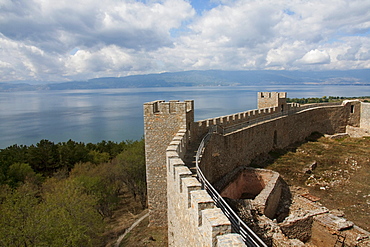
[[46, 40]]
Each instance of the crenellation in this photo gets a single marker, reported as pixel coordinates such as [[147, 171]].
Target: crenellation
[[170, 155], [176, 198], [181, 172], [162, 121], [179, 146], [174, 106], [201, 200], [224, 120], [189, 105], [214, 223]]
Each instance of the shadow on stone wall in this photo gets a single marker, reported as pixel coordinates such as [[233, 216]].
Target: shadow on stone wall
[[264, 160]]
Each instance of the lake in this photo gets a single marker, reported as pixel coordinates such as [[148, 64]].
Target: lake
[[117, 114]]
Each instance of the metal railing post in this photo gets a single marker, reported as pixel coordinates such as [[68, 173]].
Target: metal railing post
[[239, 226]]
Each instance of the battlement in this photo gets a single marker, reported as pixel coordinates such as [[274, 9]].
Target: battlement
[[274, 95], [272, 99], [162, 120], [236, 118], [175, 197], [198, 221], [171, 107]]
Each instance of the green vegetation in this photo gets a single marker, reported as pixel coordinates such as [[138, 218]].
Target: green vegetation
[[324, 99], [62, 194], [341, 177]]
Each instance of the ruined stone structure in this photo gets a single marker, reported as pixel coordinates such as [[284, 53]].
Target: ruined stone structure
[[177, 199]]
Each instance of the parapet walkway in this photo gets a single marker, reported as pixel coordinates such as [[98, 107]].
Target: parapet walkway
[[193, 148], [193, 157]]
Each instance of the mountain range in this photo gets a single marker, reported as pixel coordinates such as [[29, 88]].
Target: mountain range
[[205, 78]]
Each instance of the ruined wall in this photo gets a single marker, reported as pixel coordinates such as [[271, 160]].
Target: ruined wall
[[162, 120], [261, 187], [365, 115], [354, 108], [169, 129], [224, 153]]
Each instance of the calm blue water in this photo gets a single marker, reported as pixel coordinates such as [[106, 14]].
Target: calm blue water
[[116, 114]]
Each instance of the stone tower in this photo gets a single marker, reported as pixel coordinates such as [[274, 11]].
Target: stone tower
[[162, 120], [272, 99]]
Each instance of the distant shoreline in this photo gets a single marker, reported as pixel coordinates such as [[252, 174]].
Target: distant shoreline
[[204, 78]]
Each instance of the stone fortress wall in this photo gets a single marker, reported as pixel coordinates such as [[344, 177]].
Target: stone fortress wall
[[175, 196]]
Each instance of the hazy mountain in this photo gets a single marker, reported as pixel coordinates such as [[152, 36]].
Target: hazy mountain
[[206, 78]]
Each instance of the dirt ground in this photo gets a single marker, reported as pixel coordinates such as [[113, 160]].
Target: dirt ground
[[144, 236], [335, 171], [123, 217]]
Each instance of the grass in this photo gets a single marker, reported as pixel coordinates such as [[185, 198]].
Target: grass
[[124, 216], [342, 176], [142, 235], [341, 180]]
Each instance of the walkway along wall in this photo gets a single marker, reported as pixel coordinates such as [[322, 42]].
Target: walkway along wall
[[224, 153], [175, 196]]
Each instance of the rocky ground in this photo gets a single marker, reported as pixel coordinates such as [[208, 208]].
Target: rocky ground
[[334, 172]]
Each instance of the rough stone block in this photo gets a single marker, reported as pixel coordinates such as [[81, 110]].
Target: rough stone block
[[230, 240], [181, 172], [201, 200], [190, 184], [214, 223]]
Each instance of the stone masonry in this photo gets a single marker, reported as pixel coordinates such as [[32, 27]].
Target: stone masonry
[[162, 120], [176, 198]]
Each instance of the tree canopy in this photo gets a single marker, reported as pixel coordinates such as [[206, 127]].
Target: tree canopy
[[59, 194]]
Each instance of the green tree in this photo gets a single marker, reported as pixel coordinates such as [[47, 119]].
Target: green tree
[[132, 162], [10, 155], [61, 214], [71, 218], [43, 157], [71, 152], [97, 157], [18, 216], [103, 181], [20, 172], [112, 148]]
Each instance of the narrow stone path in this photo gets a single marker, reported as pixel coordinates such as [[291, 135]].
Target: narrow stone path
[[119, 240]]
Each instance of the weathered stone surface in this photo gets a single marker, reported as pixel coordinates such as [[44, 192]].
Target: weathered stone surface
[[334, 222], [174, 198], [357, 132], [230, 240], [262, 187], [337, 136]]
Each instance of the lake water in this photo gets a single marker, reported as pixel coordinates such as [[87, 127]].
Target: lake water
[[117, 114]]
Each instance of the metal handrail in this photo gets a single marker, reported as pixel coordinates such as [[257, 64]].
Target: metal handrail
[[238, 226]]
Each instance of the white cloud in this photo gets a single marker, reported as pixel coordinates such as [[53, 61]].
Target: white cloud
[[315, 57], [81, 39], [108, 59]]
